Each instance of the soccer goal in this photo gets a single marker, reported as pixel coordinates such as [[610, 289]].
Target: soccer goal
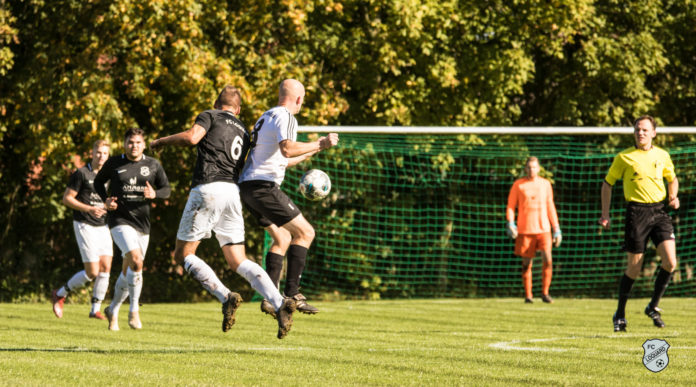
[[420, 212]]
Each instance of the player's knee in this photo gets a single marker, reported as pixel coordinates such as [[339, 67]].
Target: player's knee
[[308, 233], [91, 273], [282, 241]]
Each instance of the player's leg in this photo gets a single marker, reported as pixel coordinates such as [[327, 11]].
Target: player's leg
[[135, 260], [302, 236], [101, 285], [279, 247], [130, 282], [546, 266], [261, 282], [101, 282], [636, 231], [525, 248], [86, 237]]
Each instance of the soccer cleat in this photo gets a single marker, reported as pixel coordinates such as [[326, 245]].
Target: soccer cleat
[[528, 301], [284, 316], [57, 304], [302, 305], [229, 308], [97, 315], [267, 308], [113, 319], [547, 299], [619, 323], [134, 320], [654, 314]]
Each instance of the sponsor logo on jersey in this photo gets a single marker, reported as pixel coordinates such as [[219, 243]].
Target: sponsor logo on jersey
[[132, 181], [145, 171], [655, 354]]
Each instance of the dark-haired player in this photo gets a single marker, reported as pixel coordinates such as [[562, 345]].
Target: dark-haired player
[[134, 179]]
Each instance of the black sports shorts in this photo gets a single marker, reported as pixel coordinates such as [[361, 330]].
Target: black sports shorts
[[267, 203], [643, 221]]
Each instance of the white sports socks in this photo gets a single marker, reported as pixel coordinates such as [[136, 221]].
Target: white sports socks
[[101, 285], [135, 287], [200, 270], [77, 281], [261, 282], [120, 294]]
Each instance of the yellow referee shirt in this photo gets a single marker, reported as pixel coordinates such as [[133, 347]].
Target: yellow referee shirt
[[642, 173]]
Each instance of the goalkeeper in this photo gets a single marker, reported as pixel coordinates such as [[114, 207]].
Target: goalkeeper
[[532, 196]]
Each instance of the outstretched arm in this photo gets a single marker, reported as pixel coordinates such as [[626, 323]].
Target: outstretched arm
[[186, 138], [292, 149]]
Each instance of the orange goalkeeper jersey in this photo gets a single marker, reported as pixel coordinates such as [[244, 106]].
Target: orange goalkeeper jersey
[[533, 199]]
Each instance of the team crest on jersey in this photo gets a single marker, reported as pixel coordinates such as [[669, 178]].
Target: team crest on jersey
[[145, 171], [655, 354]]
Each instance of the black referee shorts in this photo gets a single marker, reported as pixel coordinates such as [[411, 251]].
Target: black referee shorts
[[267, 203], [643, 221]]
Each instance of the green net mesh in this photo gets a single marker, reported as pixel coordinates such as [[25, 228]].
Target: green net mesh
[[424, 216]]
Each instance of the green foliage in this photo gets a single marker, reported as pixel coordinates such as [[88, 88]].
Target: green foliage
[[73, 71]]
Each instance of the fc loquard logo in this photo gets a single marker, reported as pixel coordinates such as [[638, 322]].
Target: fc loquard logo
[[655, 354]]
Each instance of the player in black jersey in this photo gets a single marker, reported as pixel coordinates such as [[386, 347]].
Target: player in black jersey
[[134, 179], [214, 205], [91, 232]]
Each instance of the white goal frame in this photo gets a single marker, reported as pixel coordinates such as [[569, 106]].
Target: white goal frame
[[520, 130]]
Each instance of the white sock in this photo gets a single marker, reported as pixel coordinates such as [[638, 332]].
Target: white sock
[[77, 281], [101, 285], [261, 282], [202, 273], [135, 287], [120, 294]]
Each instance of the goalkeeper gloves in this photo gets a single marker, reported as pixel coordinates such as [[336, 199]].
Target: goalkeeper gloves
[[557, 237], [511, 230]]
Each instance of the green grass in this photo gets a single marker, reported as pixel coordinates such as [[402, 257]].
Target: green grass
[[406, 342]]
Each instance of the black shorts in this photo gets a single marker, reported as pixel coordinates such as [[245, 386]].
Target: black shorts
[[267, 203], [645, 221]]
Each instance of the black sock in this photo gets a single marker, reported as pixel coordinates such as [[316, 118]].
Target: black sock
[[297, 255], [274, 265], [624, 290], [661, 283]]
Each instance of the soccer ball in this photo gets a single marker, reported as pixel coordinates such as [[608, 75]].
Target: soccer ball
[[315, 184]]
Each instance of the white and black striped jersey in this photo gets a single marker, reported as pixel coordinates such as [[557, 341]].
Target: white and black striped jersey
[[265, 161], [82, 182], [221, 152], [127, 180]]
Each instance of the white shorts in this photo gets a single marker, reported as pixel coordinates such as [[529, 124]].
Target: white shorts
[[213, 207], [128, 239], [93, 241]]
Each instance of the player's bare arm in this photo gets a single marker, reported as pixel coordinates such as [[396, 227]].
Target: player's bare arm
[[296, 160], [70, 201], [673, 189], [186, 138], [605, 220], [291, 149]]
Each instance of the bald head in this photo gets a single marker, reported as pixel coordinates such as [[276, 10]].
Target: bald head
[[291, 95]]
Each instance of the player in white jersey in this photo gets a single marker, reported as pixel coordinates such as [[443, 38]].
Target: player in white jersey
[[91, 232], [214, 205], [274, 147]]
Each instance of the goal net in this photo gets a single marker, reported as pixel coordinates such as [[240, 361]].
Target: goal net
[[422, 213]]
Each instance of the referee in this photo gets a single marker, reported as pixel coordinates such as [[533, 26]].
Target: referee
[[643, 168]]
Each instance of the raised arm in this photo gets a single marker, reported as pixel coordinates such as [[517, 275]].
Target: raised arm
[[186, 138]]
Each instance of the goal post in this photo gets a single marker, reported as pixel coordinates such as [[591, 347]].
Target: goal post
[[420, 212]]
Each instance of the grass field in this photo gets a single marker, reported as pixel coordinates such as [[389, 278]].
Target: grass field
[[408, 342]]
